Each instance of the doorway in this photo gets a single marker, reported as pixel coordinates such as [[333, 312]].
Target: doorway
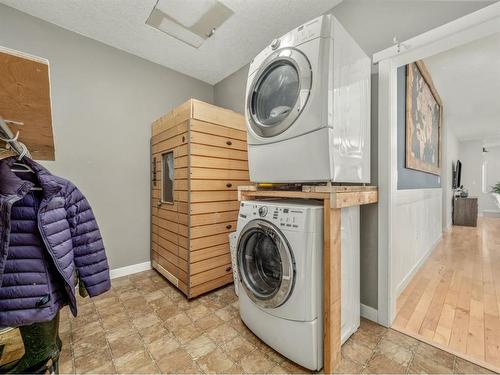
[[437, 281]]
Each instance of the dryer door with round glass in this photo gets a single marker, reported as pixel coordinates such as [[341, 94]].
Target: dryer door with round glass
[[265, 264], [279, 92]]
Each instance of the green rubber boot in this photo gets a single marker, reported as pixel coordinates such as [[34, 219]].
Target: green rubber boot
[[42, 346]]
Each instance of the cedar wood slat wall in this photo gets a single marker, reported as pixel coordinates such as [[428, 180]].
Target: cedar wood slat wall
[[190, 244]]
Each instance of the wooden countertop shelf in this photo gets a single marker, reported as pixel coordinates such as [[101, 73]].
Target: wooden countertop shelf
[[339, 196], [25, 99], [334, 199]]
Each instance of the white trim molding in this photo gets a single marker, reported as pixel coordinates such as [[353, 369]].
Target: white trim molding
[[129, 270], [369, 313]]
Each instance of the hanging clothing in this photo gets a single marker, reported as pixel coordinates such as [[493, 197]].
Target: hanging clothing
[[46, 238]]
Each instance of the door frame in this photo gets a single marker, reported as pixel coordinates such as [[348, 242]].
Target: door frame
[[474, 26]]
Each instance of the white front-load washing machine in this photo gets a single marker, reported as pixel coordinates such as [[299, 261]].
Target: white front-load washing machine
[[280, 267], [308, 107]]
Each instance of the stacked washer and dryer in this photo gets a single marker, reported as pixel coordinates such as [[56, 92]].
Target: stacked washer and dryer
[[308, 120]]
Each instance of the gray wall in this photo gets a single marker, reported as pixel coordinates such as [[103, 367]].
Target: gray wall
[[369, 216], [103, 102], [230, 92], [409, 178]]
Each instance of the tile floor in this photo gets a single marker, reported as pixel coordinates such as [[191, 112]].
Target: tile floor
[[144, 325]]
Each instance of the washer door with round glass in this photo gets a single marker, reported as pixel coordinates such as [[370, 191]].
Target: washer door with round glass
[[265, 264], [279, 92]]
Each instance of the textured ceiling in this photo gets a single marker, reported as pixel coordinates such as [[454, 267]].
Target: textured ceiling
[[468, 81], [121, 24]]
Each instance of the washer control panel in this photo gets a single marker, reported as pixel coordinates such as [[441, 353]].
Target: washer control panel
[[285, 218]]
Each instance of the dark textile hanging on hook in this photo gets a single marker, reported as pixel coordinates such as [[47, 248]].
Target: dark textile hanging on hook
[[47, 238]]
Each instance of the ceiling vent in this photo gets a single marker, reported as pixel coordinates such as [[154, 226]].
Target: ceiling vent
[[187, 23]]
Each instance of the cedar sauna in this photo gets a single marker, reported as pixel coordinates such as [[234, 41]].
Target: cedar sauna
[[199, 158]]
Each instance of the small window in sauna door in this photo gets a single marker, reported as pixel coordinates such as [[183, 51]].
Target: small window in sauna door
[[167, 175]]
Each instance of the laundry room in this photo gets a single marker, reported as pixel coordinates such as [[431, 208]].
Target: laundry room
[[205, 186]]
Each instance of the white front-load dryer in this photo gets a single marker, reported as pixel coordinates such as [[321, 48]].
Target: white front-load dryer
[[280, 268], [308, 107]]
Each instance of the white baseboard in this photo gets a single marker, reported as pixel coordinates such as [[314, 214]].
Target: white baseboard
[[404, 283], [369, 313], [129, 270]]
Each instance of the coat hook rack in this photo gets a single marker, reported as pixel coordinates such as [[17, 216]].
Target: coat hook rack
[[8, 137]]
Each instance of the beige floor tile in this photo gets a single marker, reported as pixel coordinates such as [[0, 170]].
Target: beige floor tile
[[163, 347], [66, 361], [154, 333], [106, 311], [85, 325], [227, 313], [176, 362], [274, 356], [89, 344], [256, 363], [222, 334], [293, 368], [208, 321], [395, 352], [185, 304], [178, 320], [200, 346], [445, 359], [348, 367], [198, 312], [96, 362], [465, 367], [401, 339], [238, 324], [277, 370], [425, 365], [154, 296], [238, 348], [356, 352], [106, 302], [124, 345], [186, 333], [138, 362], [216, 362], [166, 312], [146, 321], [114, 321], [161, 302], [126, 329], [366, 339], [381, 364], [213, 303]]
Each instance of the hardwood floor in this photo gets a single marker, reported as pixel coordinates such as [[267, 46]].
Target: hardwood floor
[[453, 301]]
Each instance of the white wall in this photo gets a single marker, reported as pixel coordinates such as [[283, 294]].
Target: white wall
[[103, 102], [492, 169], [417, 213], [472, 158]]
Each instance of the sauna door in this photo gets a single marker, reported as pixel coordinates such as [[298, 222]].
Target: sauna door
[[169, 205]]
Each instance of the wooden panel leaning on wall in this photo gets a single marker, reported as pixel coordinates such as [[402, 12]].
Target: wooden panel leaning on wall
[[25, 99], [194, 212]]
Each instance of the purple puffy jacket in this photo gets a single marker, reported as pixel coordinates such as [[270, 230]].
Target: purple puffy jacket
[[46, 239]]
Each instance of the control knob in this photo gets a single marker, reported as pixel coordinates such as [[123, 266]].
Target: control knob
[[262, 211], [275, 44]]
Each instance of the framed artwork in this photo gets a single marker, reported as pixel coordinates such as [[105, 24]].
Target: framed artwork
[[423, 121]]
